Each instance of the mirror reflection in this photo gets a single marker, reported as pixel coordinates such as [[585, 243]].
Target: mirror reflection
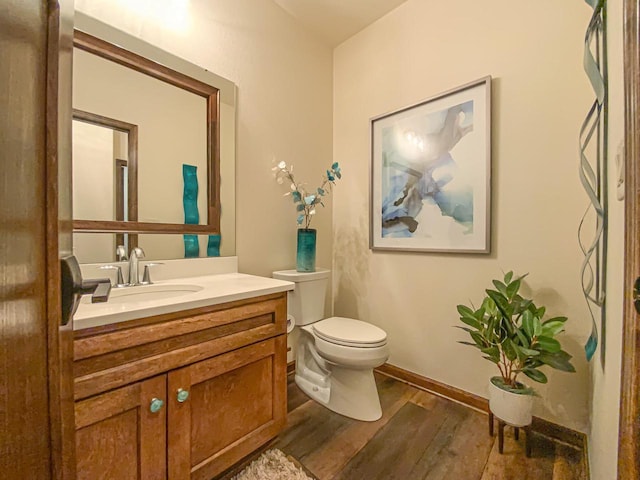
[[102, 247], [104, 168], [171, 132], [153, 150]]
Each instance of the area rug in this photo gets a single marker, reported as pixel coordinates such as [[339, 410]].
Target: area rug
[[273, 465]]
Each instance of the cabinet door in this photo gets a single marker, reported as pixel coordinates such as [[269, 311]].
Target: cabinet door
[[121, 434], [222, 409]]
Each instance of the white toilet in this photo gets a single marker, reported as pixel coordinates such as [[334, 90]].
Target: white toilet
[[336, 356]]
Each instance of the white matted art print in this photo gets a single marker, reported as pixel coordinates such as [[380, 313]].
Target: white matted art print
[[431, 174]]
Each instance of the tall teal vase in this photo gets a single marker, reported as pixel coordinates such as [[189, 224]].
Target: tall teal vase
[[306, 253]]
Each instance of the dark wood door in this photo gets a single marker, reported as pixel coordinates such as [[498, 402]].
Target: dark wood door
[[121, 434], [57, 188], [35, 406], [222, 409]]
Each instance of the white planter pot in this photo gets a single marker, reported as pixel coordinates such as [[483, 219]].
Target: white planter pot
[[512, 408]]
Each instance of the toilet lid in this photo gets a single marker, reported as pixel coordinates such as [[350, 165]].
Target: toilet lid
[[350, 332]]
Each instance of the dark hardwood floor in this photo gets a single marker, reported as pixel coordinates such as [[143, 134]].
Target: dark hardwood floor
[[420, 436]]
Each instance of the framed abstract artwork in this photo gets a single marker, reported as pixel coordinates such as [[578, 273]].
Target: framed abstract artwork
[[431, 174]]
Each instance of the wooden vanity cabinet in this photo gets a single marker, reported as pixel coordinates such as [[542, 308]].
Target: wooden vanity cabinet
[[213, 411]]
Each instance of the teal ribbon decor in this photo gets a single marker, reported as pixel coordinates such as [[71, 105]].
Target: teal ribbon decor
[[190, 206], [213, 246], [593, 176]]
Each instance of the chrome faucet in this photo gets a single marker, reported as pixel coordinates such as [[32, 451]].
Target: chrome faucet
[[134, 276]]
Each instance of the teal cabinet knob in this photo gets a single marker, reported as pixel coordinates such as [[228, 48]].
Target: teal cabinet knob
[[156, 405], [182, 395]]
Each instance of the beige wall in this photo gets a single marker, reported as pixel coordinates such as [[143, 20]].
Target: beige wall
[[93, 178], [540, 96], [605, 390], [93, 188], [284, 108]]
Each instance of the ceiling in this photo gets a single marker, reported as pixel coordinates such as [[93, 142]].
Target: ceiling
[[336, 20]]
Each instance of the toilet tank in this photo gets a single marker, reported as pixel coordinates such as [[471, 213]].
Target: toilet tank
[[306, 301]]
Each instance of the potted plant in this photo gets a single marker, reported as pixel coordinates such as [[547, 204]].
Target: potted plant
[[306, 201], [510, 331]]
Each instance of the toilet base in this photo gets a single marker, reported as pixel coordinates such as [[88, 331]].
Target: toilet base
[[352, 393]]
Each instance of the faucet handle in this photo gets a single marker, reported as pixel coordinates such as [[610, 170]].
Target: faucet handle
[[136, 252], [119, 277], [121, 253], [146, 277]]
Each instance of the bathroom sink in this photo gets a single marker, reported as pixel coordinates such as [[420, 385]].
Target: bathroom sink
[[173, 295], [147, 293]]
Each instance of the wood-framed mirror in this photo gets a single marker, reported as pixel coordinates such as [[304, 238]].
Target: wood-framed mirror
[[177, 116]]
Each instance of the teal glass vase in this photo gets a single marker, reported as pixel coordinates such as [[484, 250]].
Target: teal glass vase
[[306, 252]]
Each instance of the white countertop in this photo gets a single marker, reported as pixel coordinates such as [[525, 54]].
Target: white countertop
[[216, 289]]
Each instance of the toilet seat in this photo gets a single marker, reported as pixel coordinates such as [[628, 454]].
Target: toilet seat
[[349, 333]]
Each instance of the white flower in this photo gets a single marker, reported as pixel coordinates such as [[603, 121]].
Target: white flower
[[303, 201]]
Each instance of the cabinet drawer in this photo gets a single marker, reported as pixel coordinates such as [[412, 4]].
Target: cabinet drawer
[[236, 402], [108, 360]]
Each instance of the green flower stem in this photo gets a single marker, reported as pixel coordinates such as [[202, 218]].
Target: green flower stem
[[307, 208], [305, 201]]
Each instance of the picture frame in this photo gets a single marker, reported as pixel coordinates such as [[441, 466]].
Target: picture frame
[[430, 175]]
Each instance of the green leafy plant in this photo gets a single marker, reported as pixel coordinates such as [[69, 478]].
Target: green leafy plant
[[304, 199], [510, 331]]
